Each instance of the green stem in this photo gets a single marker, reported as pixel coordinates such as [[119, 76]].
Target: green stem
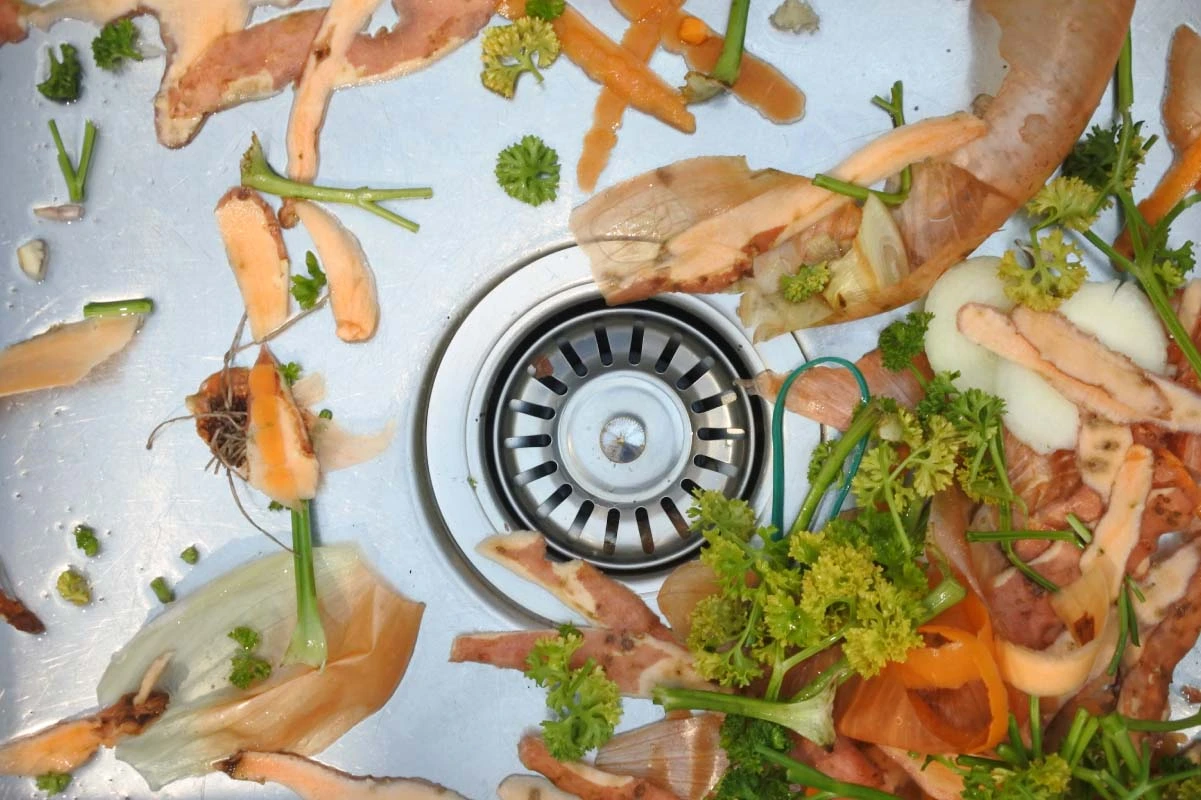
[[808, 776], [1081, 530], [1026, 569], [729, 63], [1125, 76], [76, 179], [119, 308], [1163, 306], [943, 596], [1019, 535], [308, 639], [782, 669], [860, 428], [1160, 726], [857, 192]]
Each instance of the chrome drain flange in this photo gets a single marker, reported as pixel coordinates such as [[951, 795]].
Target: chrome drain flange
[[603, 421], [548, 410]]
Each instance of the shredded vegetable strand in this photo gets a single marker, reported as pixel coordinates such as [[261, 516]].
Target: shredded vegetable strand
[[777, 440]]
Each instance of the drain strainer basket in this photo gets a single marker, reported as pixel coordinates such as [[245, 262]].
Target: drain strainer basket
[[548, 410], [603, 421]]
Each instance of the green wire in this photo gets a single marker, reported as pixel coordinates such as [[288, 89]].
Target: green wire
[[777, 440]]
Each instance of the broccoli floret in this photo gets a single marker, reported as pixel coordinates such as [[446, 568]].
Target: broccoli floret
[[118, 40], [247, 670], [748, 775], [1054, 274], [53, 782], [585, 705], [85, 540], [190, 555], [529, 171], [545, 9], [308, 290], [73, 587], [63, 83], [529, 44], [808, 281]]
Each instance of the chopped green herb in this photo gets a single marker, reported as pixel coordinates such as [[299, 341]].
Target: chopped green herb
[[247, 638], [276, 506], [191, 555], [85, 540], [529, 171], [63, 83], [247, 670], [119, 308], [118, 40], [307, 291], [585, 705], [545, 9], [325, 413], [73, 587], [162, 591], [53, 782], [904, 340], [290, 372]]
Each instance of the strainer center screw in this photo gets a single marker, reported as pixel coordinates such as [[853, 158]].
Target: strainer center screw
[[623, 438]]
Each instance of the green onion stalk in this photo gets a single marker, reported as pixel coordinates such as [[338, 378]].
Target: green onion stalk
[[308, 639]]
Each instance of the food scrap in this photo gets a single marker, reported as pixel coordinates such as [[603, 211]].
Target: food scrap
[[529, 171], [63, 84], [85, 540], [73, 587]]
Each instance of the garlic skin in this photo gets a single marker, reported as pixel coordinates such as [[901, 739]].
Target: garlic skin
[[32, 257]]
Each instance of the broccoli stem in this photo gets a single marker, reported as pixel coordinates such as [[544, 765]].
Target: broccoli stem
[[729, 63], [77, 179], [812, 778], [308, 639], [258, 174], [119, 308]]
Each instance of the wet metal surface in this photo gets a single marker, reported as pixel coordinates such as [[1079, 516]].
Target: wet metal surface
[[79, 454]]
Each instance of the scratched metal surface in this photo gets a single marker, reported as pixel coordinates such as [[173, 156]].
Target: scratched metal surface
[[78, 455]]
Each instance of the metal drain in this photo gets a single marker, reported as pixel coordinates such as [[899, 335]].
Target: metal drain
[[603, 421], [548, 410]]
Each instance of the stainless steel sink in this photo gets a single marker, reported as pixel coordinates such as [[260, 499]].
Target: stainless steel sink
[[451, 477]]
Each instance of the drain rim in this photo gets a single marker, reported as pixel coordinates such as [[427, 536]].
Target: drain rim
[[450, 415]]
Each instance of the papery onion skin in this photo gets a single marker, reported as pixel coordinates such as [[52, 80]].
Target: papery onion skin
[[371, 633], [686, 586], [682, 754]]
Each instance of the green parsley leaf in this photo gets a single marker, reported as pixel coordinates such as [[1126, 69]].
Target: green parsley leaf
[[307, 291], [529, 171]]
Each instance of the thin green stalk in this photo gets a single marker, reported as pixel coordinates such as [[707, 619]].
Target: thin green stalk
[[1027, 570], [1081, 530], [729, 62], [857, 192], [119, 308], [780, 670], [807, 776], [308, 639], [860, 428], [76, 178], [1019, 535], [258, 174]]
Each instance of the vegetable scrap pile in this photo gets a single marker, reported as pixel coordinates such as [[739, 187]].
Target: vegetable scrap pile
[[542, 29]]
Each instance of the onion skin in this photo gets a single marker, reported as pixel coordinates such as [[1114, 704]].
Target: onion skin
[[682, 754], [686, 586]]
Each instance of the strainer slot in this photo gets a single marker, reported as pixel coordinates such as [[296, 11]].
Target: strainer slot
[[636, 335], [534, 473], [707, 404], [677, 519], [714, 465], [551, 382], [643, 520], [720, 434], [573, 358], [603, 349], [555, 500], [535, 440], [612, 522], [581, 518], [693, 375], [668, 353], [531, 409]]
